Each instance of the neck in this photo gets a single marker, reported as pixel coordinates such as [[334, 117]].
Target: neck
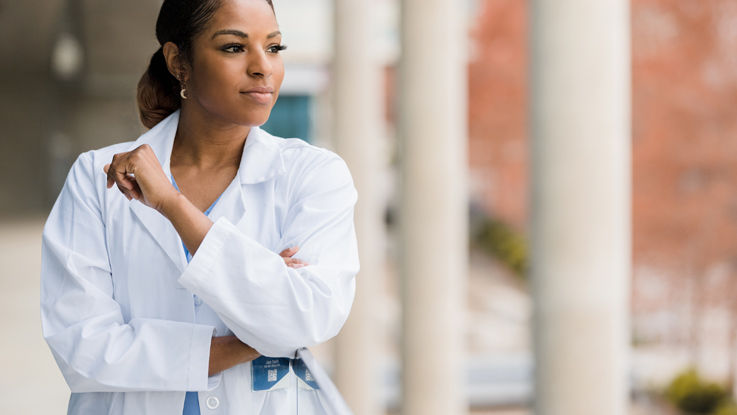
[[203, 142]]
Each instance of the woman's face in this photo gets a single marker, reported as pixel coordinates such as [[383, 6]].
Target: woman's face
[[236, 69]]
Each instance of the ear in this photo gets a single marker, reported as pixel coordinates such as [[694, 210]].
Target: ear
[[175, 61]]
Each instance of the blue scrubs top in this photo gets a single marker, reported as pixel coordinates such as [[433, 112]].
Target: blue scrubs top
[[191, 400]]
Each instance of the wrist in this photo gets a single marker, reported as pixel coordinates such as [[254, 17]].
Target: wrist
[[244, 352], [171, 203]]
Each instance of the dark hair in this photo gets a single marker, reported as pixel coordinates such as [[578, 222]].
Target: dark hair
[[179, 22]]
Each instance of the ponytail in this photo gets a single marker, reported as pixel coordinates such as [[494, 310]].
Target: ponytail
[[158, 94]]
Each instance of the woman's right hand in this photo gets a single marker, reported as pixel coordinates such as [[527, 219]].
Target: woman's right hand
[[138, 175]]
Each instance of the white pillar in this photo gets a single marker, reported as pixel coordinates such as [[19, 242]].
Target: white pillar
[[357, 131], [434, 255], [580, 73]]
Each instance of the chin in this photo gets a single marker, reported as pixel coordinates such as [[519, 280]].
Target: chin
[[257, 122], [252, 118], [236, 112]]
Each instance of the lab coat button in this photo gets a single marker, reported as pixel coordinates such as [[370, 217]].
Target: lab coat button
[[213, 402]]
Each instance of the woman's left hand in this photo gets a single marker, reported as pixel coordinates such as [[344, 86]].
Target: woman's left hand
[[287, 255], [139, 176]]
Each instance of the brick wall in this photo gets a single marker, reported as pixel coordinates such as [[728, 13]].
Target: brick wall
[[684, 62]]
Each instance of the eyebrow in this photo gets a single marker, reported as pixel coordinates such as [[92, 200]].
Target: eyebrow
[[241, 34]]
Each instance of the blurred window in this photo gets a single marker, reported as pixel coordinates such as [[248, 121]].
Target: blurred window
[[291, 117]]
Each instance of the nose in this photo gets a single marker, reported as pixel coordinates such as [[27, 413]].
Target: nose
[[259, 65]]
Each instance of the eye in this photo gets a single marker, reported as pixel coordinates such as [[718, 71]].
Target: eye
[[233, 48], [275, 49]]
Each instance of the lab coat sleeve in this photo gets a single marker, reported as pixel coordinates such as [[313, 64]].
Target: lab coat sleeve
[[96, 350], [269, 306]]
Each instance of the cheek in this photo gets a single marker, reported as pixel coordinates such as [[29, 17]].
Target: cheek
[[278, 79], [214, 81], [278, 74]]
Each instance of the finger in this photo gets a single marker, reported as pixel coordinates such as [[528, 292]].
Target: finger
[[119, 177], [289, 251], [123, 179], [297, 260], [131, 194], [125, 193], [295, 263], [110, 180], [129, 188], [136, 191]]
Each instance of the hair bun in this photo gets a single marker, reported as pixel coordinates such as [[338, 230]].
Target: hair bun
[[157, 92]]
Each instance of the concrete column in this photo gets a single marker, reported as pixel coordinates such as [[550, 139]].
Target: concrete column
[[357, 132], [434, 256], [580, 74]]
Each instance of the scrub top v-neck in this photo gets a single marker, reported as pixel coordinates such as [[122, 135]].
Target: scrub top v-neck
[[202, 312]]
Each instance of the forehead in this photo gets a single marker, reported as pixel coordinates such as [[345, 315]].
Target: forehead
[[250, 16]]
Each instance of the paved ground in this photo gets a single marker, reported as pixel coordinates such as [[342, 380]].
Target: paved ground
[[30, 382]]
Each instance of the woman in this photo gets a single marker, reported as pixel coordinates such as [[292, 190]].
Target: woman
[[162, 290]]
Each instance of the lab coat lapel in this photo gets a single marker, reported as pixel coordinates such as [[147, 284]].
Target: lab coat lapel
[[162, 231], [261, 161], [161, 139]]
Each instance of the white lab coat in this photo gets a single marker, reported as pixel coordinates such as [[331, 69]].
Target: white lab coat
[[117, 292]]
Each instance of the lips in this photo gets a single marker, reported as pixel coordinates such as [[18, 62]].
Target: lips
[[261, 95], [261, 90]]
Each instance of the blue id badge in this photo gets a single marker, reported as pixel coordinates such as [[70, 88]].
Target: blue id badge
[[269, 373], [306, 381]]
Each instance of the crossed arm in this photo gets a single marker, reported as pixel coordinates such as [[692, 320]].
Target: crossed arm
[[228, 351], [267, 302], [138, 175]]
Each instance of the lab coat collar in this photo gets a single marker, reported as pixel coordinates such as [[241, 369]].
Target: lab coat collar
[[261, 161]]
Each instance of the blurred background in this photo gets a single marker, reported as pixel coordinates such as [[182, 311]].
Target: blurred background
[[69, 70]]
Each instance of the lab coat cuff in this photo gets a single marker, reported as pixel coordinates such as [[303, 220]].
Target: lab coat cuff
[[199, 364], [201, 265]]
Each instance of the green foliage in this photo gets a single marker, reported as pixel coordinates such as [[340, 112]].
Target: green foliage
[[692, 394], [502, 242], [726, 408]]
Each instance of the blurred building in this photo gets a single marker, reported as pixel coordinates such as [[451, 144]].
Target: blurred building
[[70, 67], [684, 57]]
